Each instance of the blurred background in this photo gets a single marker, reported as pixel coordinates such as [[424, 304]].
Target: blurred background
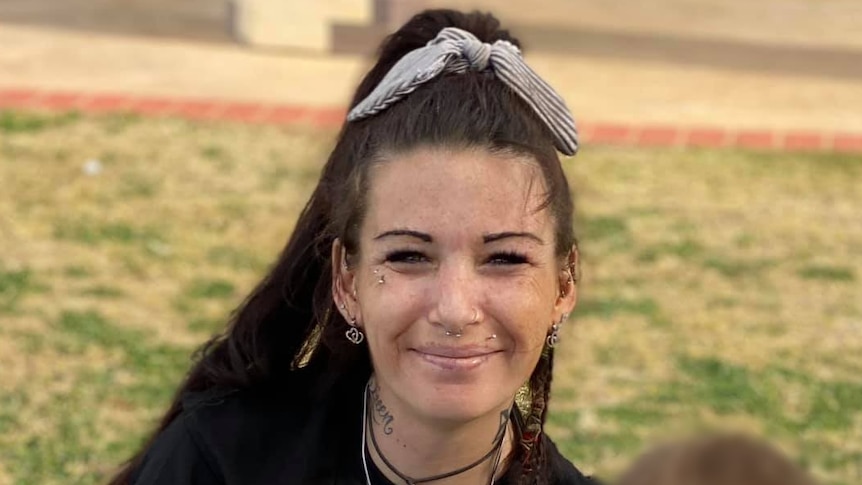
[[776, 64], [721, 267]]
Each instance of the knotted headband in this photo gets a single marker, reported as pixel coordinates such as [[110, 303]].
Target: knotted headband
[[456, 50]]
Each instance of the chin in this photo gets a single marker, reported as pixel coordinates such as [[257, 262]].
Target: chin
[[456, 390], [459, 408], [459, 402]]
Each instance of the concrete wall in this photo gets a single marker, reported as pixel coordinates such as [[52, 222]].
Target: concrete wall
[[309, 24], [302, 24]]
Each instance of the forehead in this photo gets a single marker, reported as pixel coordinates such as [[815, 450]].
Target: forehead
[[457, 192]]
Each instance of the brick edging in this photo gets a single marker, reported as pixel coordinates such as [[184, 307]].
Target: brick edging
[[646, 135]]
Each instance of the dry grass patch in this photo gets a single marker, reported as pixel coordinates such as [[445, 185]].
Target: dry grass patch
[[720, 288]]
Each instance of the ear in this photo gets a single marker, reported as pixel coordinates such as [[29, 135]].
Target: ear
[[344, 284], [568, 281]]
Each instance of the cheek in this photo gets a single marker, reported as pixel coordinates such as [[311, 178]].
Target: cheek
[[524, 308], [389, 309]]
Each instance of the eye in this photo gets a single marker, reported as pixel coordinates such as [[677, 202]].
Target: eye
[[408, 257], [508, 258]]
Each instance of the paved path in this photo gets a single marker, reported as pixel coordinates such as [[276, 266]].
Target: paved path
[[616, 97], [198, 20], [798, 23], [802, 23], [727, 36]]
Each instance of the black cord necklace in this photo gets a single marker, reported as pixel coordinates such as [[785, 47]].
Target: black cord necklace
[[497, 448]]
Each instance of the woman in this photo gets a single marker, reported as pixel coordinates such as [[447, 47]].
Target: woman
[[421, 292]]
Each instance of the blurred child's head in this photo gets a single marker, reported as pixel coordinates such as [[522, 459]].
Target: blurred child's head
[[729, 459]]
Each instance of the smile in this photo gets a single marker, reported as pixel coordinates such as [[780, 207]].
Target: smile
[[455, 358]]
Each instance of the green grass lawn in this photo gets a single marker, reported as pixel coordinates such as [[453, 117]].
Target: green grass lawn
[[720, 288]]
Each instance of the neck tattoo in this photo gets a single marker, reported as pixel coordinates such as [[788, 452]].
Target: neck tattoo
[[368, 419], [381, 414]]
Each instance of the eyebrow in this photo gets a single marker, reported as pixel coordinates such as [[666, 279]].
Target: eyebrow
[[487, 238], [497, 236], [405, 232]]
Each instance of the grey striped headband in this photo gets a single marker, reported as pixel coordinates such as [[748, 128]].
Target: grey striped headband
[[456, 50]]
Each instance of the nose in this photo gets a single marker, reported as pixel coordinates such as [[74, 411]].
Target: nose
[[457, 296]]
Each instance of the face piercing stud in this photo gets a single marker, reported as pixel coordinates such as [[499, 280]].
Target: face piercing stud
[[493, 336], [454, 334], [381, 278]]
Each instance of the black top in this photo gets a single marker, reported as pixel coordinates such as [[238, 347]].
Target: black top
[[245, 438]]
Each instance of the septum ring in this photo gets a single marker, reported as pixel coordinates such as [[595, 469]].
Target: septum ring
[[458, 333]]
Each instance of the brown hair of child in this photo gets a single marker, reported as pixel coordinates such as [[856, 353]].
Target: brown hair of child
[[717, 459]]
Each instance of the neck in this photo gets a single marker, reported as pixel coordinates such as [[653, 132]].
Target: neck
[[419, 447]]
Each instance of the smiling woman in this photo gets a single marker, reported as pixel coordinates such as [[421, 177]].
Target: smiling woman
[[406, 334], [463, 250]]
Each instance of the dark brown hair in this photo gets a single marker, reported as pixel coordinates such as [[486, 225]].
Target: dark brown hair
[[289, 321], [720, 459]]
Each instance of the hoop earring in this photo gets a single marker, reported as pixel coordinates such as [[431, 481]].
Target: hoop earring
[[354, 334]]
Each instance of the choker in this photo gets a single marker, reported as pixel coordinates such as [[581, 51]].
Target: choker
[[496, 451]]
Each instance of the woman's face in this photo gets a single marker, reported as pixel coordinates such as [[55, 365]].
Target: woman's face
[[452, 241]]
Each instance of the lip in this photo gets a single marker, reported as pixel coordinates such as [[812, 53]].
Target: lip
[[462, 357]]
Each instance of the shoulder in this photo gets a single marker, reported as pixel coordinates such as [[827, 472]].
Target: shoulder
[[176, 456], [244, 429], [214, 415], [562, 471], [223, 437], [289, 436]]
